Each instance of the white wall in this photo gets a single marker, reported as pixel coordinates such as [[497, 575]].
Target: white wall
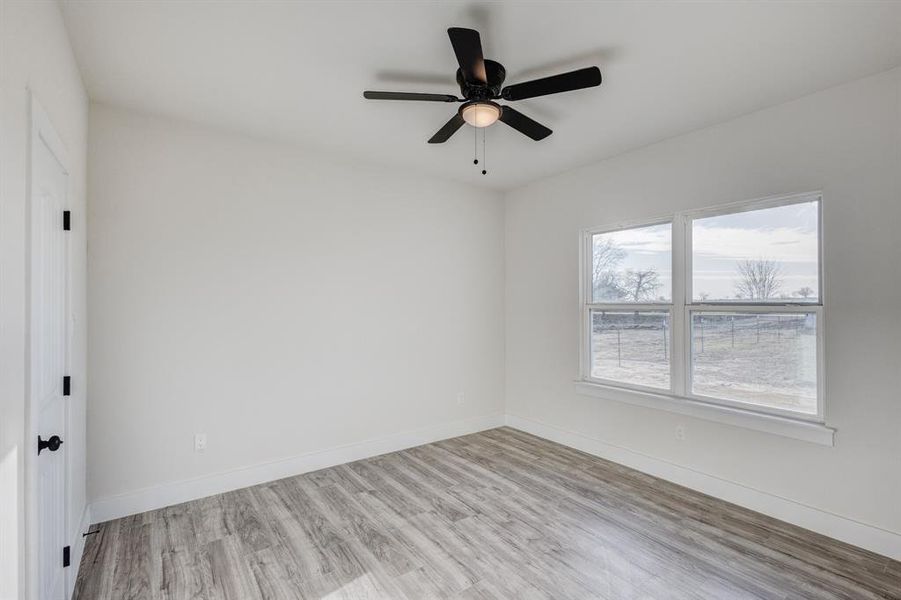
[[277, 302], [844, 141], [35, 54]]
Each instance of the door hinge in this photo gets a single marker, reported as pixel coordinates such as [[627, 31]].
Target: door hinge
[[66, 556], [67, 385], [67, 220]]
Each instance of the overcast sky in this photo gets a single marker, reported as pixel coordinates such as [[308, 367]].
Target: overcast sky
[[786, 235]]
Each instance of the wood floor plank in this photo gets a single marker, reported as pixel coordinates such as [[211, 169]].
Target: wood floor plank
[[497, 514], [131, 574], [301, 558], [208, 519], [99, 561], [403, 504], [182, 576], [415, 486], [270, 577], [230, 577], [358, 524], [243, 517]]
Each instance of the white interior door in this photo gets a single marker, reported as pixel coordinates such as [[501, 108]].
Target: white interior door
[[48, 343]]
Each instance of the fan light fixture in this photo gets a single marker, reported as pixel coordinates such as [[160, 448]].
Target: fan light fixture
[[481, 114]]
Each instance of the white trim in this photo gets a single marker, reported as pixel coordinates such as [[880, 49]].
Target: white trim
[[114, 507], [77, 550], [863, 535], [740, 206], [807, 431], [631, 307], [681, 264], [682, 249], [630, 224]]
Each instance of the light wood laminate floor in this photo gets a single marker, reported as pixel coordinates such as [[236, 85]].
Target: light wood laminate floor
[[497, 514]]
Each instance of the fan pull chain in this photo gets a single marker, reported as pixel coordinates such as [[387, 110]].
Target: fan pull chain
[[484, 154], [475, 146]]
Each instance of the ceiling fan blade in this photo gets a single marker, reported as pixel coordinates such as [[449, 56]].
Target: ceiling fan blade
[[468, 48], [565, 82], [410, 96], [524, 124], [449, 129]]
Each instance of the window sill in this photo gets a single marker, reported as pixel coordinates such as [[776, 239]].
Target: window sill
[[807, 431]]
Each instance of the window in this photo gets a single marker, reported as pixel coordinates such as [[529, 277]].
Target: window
[[755, 256], [631, 292], [721, 306]]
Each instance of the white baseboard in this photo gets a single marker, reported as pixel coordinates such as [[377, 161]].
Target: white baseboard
[[77, 550], [114, 507], [869, 537]]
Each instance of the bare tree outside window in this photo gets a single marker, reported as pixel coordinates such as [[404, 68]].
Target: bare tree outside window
[[640, 286], [784, 239], [606, 257], [805, 292], [632, 265], [759, 279]]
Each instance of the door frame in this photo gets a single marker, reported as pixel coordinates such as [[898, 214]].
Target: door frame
[[42, 131]]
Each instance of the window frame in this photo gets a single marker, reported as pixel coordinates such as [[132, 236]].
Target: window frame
[[588, 304], [682, 307]]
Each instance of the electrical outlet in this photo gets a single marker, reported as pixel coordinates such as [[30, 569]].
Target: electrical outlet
[[680, 432], [461, 398], [199, 442]]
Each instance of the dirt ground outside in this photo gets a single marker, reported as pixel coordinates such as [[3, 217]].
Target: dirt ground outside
[[765, 359]]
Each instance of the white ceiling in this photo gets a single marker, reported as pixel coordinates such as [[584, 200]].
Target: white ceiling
[[295, 71]]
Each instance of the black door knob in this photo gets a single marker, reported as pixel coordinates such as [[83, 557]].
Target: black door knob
[[52, 444]]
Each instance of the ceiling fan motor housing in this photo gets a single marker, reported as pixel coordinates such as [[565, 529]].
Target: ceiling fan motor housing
[[495, 74]]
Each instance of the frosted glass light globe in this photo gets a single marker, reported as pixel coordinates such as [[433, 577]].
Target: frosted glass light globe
[[481, 114]]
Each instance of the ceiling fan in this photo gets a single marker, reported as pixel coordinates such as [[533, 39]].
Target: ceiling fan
[[480, 83]]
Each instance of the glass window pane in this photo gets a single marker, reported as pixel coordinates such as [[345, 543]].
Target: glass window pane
[[761, 359], [762, 255], [632, 265], [631, 347]]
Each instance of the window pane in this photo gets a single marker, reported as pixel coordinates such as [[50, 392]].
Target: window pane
[[762, 255], [632, 265], [762, 359], [631, 346]]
